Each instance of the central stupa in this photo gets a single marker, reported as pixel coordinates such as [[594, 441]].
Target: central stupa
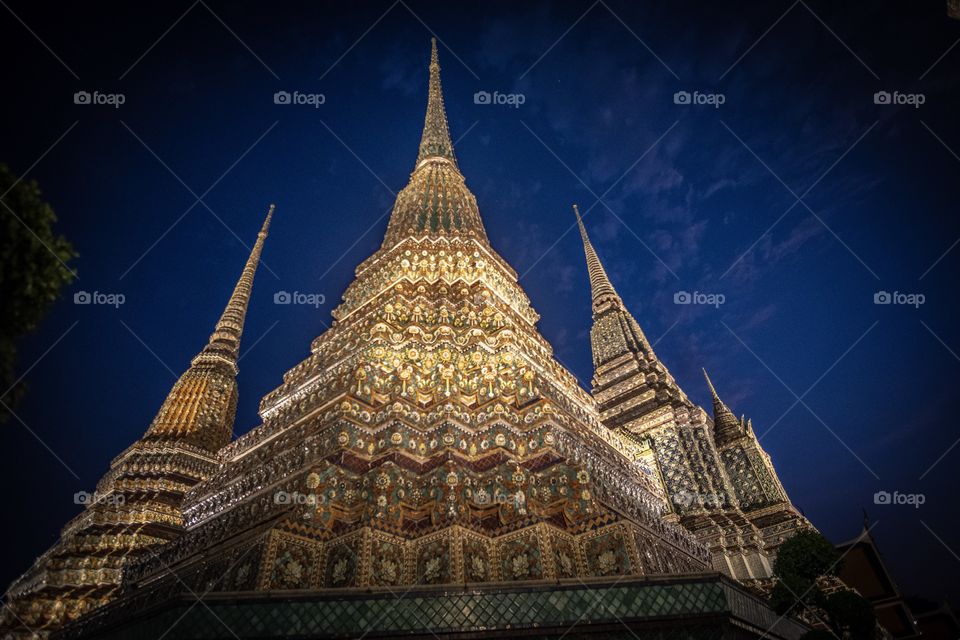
[[430, 468], [430, 437]]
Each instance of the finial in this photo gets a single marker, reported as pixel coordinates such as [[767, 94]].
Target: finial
[[224, 343], [266, 223], [600, 286], [435, 141], [583, 231], [434, 55], [713, 392]]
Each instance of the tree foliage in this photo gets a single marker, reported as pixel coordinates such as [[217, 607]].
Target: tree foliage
[[33, 272], [805, 557], [801, 562], [850, 615]]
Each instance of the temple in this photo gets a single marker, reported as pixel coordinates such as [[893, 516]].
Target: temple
[[720, 483], [137, 505], [429, 467]]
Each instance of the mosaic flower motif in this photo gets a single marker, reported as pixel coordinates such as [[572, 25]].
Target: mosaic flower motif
[[478, 568], [607, 561], [291, 572], [520, 567], [431, 571], [389, 571]]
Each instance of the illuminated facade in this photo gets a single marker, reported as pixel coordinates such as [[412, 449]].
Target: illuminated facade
[[431, 443]]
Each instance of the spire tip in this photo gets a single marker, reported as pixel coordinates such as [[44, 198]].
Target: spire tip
[[713, 391], [435, 141], [583, 230]]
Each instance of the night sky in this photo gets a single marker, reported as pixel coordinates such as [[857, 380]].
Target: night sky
[[797, 199]]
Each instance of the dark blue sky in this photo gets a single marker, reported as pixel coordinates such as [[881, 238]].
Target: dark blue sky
[[695, 198]]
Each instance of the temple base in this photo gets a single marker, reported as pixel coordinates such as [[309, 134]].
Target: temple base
[[661, 607]]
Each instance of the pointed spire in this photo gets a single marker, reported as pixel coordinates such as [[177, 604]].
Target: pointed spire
[[435, 142], [600, 285], [224, 343], [201, 407], [725, 423], [436, 202], [629, 335]]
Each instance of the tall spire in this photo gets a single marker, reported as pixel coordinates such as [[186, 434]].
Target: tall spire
[[436, 201], [225, 340], [137, 505], [435, 141], [600, 285], [615, 332], [201, 407], [725, 424]]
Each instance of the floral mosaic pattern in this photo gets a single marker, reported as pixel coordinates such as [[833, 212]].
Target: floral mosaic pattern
[[388, 563], [520, 558], [607, 554], [293, 565], [342, 565], [434, 564], [564, 556], [476, 560]]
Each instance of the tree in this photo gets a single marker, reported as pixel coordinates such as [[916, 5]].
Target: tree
[[33, 272], [850, 614], [802, 561]]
